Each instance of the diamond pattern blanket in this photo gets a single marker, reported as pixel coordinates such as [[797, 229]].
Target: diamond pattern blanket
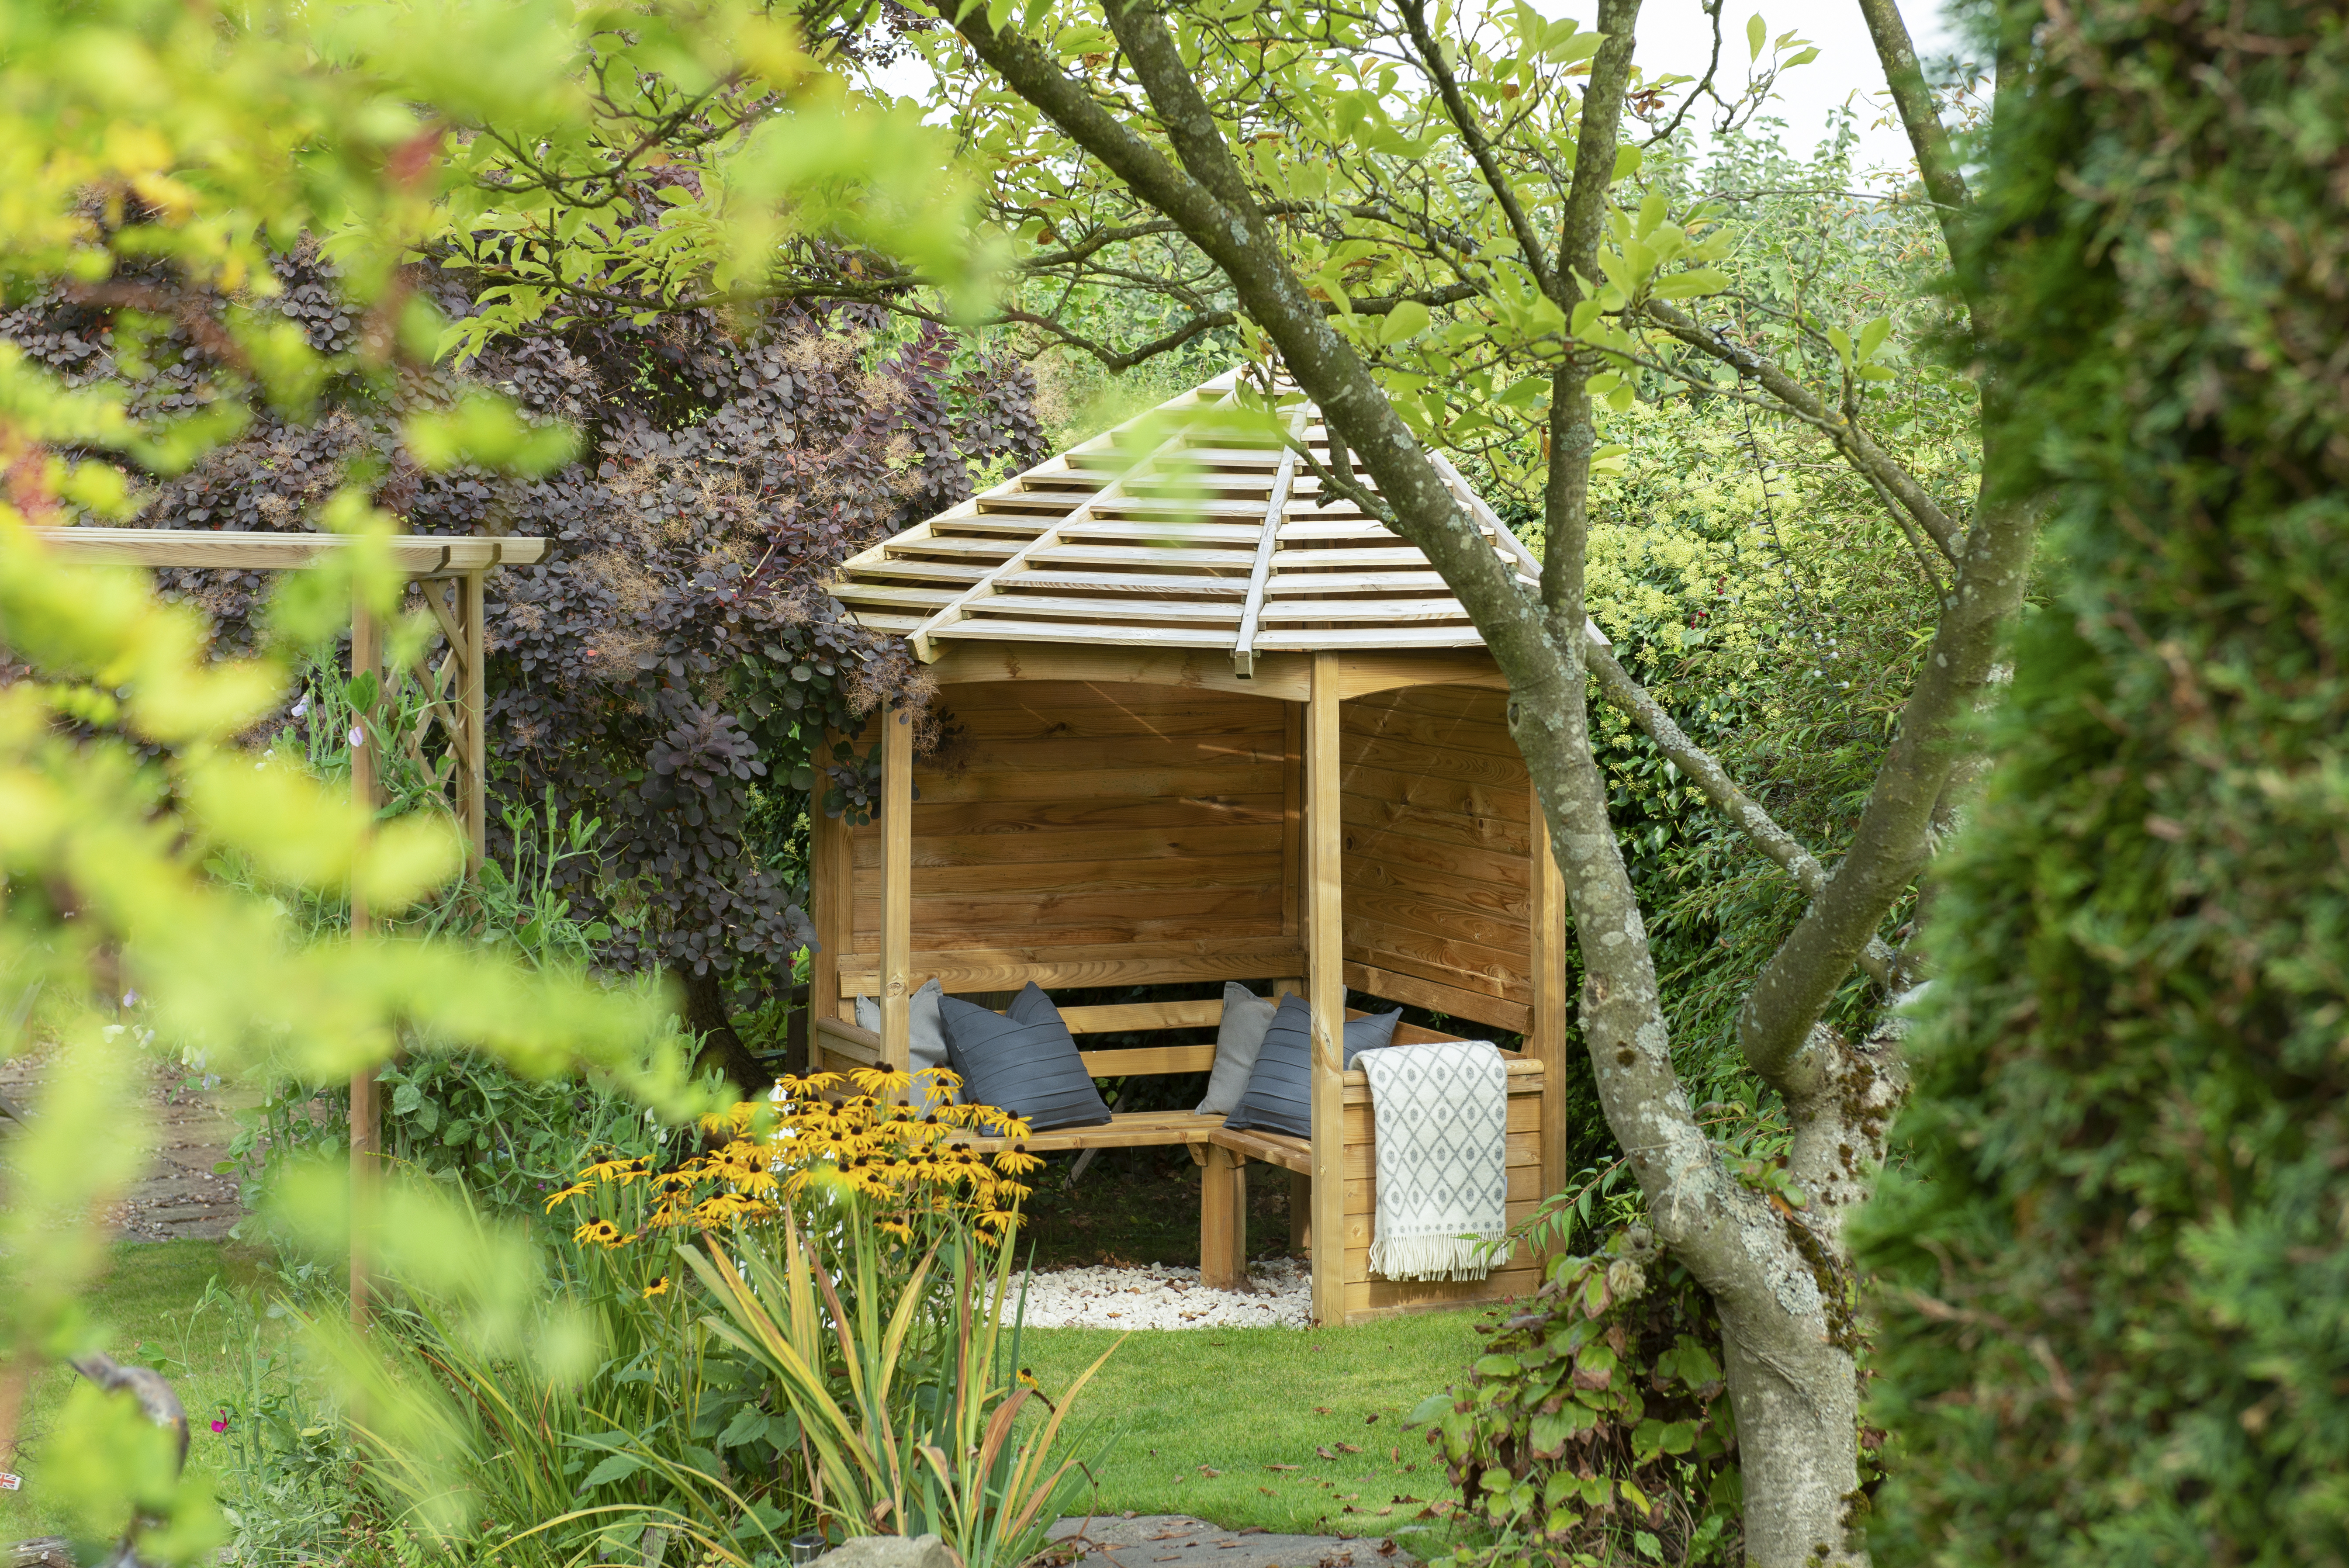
[[1440, 1113]]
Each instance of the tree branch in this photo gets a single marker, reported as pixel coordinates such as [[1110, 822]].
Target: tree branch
[[1937, 164], [1573, 432], [1455, 108], [1853, 441], [1893, 839], [1744, 813]]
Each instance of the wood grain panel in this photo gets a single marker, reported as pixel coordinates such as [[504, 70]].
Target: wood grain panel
[[1222, 871], [1242, 777], [934, 851], [1046, 816], [1455, 964], [1090, 711], [1421, 863], [1505, 903], [1498, 1012], [1374, 716], [1086, 754], [1436, 761], [1089, 916], [1508, 804], [1438, 827], [1500, 940], [966, 969], [1461, 704], [1118, 1016], [1366, 1302]]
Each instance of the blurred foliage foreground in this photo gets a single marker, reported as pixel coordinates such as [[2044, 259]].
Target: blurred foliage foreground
[[148, 851]]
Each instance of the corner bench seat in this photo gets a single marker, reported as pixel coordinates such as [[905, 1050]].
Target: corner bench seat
[[1222, 1153]]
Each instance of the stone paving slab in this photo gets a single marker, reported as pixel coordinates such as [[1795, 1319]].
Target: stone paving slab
[[189, 1127], [1177, 1541]]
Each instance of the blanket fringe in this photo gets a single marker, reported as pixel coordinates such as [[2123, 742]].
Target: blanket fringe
[[1429, 1258]]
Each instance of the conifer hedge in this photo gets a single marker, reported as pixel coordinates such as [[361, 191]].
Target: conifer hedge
[[2114, 1287]]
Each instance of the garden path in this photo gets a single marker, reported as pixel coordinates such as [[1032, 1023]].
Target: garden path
[[1154, 1540], [190, 1127]]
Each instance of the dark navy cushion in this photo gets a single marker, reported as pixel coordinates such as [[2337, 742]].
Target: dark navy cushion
[[1280, 1095], [1025, 1063]]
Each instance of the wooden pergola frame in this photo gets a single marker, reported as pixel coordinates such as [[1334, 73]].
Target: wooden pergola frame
[[1190, 555], [1316, 684], [448, 577]]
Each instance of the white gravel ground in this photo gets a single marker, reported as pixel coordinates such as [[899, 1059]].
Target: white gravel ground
[[1169, 1297]]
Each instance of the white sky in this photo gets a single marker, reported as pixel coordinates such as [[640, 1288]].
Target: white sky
[[1676, 37]]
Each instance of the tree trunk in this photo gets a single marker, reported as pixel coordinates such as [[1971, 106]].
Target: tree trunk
[[1796, 1393], [721, 1048]]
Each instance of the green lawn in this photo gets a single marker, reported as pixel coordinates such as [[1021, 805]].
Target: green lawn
[[142, 1316], [1177, 1405], [1242, 1401]]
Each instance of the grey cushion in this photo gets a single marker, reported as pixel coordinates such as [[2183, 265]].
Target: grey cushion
[[1025, 1063], [1280, 1095], [1239, 1038], [926, 1038], [1370, 1034]]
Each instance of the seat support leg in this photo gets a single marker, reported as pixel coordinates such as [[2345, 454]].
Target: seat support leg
[[1223, 1220], [1300, 1214]]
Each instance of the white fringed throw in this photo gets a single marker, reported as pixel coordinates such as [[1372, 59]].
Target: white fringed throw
[[1440, 1113]]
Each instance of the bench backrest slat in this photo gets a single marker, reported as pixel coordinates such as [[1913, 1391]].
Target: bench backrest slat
[[1149, 1059]]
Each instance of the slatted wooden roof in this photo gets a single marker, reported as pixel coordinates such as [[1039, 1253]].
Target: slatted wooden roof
[[1171, 530]]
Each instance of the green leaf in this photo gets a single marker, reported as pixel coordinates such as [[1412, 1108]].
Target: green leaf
[[405, 1099], [1872, 337], [1804, 58], [1526, 394], [1756, 35], [1497, 1366], [1842, 341], [1407, 319], [616, 1466], [1428, 1409], [1692, 284]]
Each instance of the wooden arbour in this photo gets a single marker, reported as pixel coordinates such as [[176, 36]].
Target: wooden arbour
[[446, 574], [1185, 787]]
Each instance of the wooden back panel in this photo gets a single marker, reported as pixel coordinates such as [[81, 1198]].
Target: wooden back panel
[[854, 1046], [1074, 815], [1438, 845]]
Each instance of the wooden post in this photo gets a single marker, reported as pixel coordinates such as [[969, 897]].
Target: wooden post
[[366, 1124], [896, 889], [1546, 1037], [1326, 989], [1223, 1220], [1300, 1214], [473, 759], [1292, 822]]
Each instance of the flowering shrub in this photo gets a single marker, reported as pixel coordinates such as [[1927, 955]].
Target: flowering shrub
[[902, 1162]]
